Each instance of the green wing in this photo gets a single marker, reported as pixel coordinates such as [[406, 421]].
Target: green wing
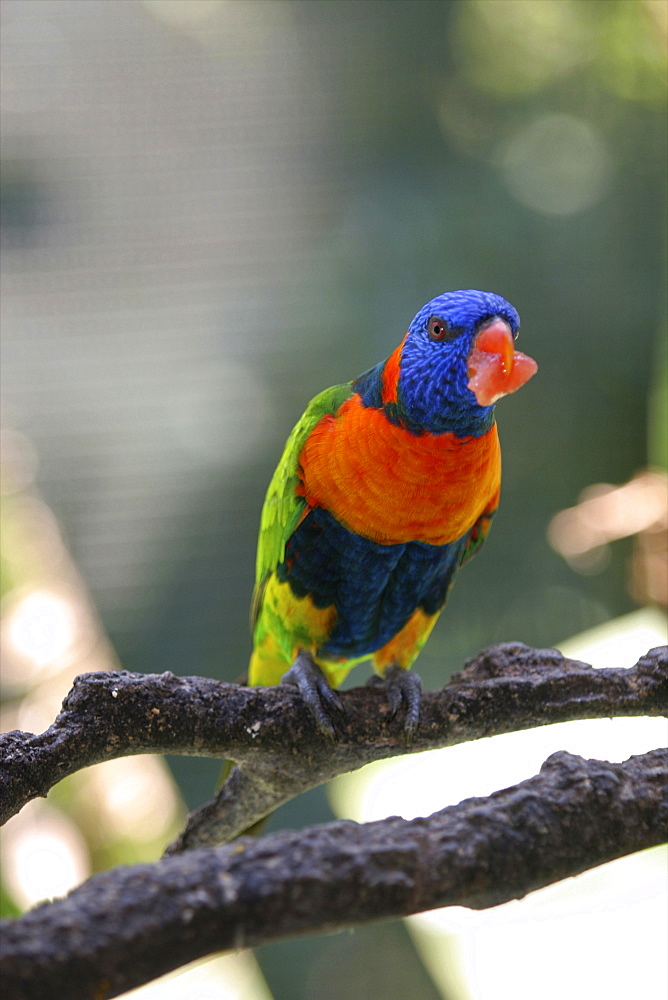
[[282, 506]]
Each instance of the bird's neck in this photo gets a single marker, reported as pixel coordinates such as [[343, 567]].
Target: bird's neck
[[380, 388]]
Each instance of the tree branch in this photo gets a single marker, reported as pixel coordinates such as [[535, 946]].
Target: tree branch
[[277, 746], [125, 927]]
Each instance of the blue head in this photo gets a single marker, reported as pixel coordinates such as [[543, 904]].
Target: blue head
[[456, 360], [433, 391]]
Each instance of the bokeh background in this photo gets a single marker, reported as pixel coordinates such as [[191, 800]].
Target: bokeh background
[[211, 210]]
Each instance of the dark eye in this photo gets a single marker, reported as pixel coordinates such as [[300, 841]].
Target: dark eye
[[437, 328]]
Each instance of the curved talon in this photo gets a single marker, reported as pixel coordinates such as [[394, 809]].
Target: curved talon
[[308, 678], [404, 686]]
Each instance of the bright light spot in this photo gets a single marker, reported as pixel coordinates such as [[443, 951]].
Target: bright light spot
[[183, 13], [619, 909], [558, 165], [227, 977], [42, 627], [515, 47], [621, 642], [606, 513], [207, 20], [658, 11], [135, 796], [43, 855], [419, 784], [608, 926]]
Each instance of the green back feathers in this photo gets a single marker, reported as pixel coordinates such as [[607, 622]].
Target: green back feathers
[[282, 507]]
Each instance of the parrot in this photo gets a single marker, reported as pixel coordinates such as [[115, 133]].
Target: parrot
[[387, 486]]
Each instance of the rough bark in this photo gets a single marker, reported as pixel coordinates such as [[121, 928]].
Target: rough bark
[[125, 927], [276, 744]]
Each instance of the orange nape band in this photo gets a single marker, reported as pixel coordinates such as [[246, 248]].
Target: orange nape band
[[391, 373], [384, 483]]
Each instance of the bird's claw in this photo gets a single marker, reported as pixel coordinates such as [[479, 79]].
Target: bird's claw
[[308, 678], [404, 687]]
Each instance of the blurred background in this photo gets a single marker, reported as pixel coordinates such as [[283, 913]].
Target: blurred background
[[211, 210]]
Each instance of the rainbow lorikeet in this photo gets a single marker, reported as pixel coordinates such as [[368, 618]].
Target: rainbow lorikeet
[[386, 487]]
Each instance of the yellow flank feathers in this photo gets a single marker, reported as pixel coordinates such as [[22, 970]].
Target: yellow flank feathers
[[286, 624], [404, 647]]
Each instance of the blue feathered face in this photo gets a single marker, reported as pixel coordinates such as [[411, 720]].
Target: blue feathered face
[[433, 392]]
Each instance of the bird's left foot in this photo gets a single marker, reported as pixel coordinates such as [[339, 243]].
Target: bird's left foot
[[403, 687]]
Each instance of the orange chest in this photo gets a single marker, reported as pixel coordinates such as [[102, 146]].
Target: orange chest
[[392, 486]]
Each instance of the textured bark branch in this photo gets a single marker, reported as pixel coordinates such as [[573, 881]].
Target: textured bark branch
[[125, 927], [277, 747]]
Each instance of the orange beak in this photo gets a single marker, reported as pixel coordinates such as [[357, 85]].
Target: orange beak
[[495, 367], [497, 338]]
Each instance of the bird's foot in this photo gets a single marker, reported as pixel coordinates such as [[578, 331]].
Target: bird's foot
[[308, 678], [402, 687]]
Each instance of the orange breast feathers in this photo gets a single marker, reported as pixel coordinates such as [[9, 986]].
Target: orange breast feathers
[[392, 486]]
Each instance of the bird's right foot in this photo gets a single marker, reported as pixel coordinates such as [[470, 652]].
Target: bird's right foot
[[308, 678]]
